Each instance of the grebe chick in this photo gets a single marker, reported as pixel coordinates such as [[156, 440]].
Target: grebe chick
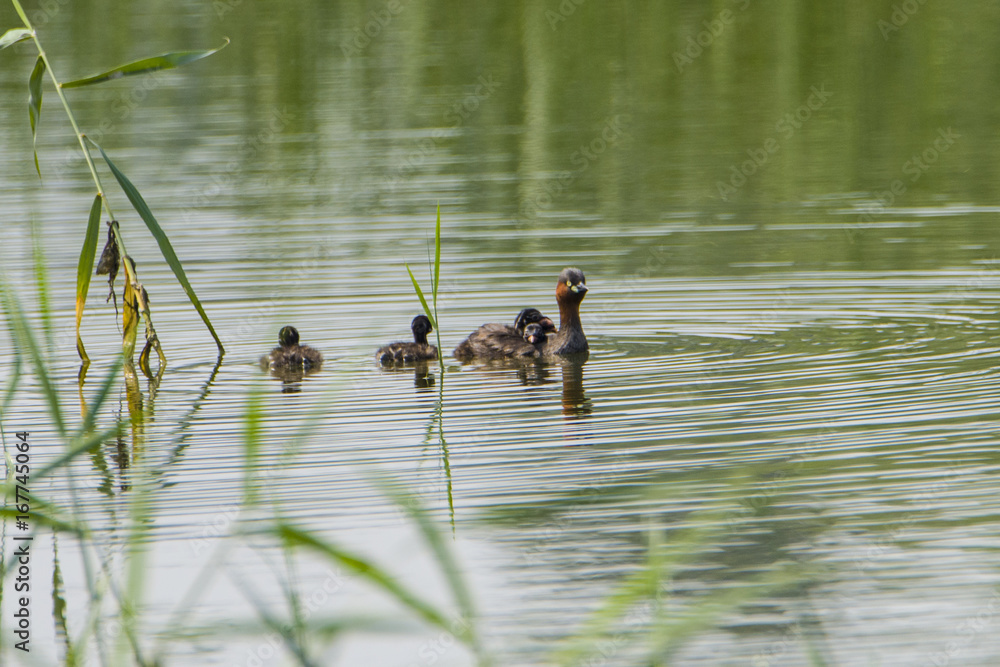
[[499, 341], [418, 350], [289, 355], [570, 291], [535, 335]]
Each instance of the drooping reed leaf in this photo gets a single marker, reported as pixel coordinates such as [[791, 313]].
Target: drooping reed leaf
[[13, 36], [423, 301], [445, 558], [165, 61], [130, 316], [293, 536], [139, 204], [35, 105], [83, 268]]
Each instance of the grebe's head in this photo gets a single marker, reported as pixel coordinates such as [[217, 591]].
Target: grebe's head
[[534, 334], [572, 285], [288, 336], [533, 316], [421, 326]]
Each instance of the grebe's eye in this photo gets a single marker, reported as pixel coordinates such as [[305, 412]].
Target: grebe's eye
[[569, 283]]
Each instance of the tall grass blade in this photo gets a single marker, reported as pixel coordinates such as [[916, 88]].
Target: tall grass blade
[[445, 558], [35, 105], [15, 374], [437, 259], [293, 536], [166, 249], [423, 301], [251, 440], [85, 267], [41, 286], [26, 338], [20, 12], [13, 36], [165, 61], [80, 446]]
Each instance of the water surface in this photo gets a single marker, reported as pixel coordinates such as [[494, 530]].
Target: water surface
[[791, 382]]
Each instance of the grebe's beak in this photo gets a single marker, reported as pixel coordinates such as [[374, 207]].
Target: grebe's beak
[[579, 288]]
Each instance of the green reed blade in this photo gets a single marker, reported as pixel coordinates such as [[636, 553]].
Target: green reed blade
[[20, 12], [293, 536], [25, 337], [13, 36], [42, 287], [35, 104], [437, 259], [252, 420], [84, 268], [166, 249], [445, 558], [420, 295], [165, 61], [80, 446]]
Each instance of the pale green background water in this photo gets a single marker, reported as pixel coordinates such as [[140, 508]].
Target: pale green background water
[[807, 357]]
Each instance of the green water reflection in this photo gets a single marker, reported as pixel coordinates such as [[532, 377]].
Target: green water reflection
[[787, 211]]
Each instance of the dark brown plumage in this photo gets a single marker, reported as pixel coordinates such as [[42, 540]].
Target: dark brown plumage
[[289, 355], [404, 352], [502, 341]]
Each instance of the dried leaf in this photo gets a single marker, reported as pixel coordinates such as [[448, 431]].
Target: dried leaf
[[108, 264], [130, 314]]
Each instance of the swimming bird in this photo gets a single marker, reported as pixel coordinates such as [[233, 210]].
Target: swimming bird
[[418, 350], [289, 355], [499, 341], [570, 291]]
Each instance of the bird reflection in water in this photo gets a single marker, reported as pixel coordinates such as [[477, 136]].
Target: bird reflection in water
[[423, 378], [575, 402], [291, 378]]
